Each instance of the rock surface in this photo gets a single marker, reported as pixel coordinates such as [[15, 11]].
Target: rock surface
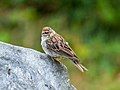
[[27, 69]]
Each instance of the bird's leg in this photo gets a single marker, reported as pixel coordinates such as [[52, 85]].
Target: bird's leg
[[56, 59]]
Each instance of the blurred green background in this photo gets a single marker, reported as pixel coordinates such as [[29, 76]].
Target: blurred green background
[[92, 28]]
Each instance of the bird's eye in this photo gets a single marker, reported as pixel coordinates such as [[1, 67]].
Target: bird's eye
[[45, 32]]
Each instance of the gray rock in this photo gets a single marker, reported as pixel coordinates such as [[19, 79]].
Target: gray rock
[[27, 69]]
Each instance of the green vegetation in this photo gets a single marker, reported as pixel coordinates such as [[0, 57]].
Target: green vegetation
[[91, 27]]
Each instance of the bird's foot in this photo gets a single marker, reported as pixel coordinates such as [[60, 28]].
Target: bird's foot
[[55, 59]]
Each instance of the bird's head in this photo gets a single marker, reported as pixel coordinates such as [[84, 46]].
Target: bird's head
[[47, 32]]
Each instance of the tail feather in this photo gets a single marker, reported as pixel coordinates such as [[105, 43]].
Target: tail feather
[[79, 66]]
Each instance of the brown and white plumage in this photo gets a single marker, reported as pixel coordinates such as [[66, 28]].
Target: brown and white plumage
[[54, 45]]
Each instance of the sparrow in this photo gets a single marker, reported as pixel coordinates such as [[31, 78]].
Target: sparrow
[[55, 46]]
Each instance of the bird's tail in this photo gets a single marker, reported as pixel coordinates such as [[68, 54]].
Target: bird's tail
[[79, 66]]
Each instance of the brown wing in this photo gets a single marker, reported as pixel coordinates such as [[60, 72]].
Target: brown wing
[[59, 45]]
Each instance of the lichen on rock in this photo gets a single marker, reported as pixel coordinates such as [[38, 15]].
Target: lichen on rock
[[26, 69]]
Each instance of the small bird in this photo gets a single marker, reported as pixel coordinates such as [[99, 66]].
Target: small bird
[[55, 46]]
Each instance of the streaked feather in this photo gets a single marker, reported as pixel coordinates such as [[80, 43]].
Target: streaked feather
[[57, 44]]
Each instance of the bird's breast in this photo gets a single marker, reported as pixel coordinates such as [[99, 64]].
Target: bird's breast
[[47, 50]]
